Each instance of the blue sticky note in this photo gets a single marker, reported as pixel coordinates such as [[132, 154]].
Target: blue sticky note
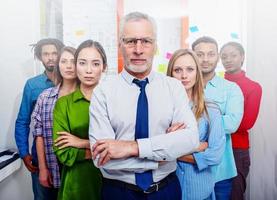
[[234, 36], [193, 29]]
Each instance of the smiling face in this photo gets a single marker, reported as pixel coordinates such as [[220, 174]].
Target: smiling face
[[184, 69], [89, 66], [232, 59], [138, 47], [67, 66]]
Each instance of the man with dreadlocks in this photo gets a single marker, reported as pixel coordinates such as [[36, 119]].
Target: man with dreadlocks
[[47, 51]]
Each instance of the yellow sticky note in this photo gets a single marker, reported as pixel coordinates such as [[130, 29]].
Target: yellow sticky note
[[162, 68], [79, 33], [221, 74], [157, 52]]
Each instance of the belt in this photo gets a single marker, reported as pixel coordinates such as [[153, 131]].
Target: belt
[[152, 188]]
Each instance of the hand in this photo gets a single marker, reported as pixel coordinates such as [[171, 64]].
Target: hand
[[88, 155], [28, 163], [45, 178], [66, 139], [175, 127], [202, 146], [108, 149], [187, 158]]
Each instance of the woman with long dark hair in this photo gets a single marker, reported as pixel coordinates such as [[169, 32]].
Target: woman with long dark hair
[[80, 178]]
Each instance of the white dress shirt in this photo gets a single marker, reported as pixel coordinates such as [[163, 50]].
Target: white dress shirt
[[113, 116]]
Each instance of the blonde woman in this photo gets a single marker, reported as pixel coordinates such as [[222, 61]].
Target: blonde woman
[[196, 171]]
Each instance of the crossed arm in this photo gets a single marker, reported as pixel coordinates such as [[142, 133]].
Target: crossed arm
[[111, 153]]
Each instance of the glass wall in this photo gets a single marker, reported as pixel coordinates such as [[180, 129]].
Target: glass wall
[[179, 23]]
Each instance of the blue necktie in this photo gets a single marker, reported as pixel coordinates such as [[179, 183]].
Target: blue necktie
[[144, 179]]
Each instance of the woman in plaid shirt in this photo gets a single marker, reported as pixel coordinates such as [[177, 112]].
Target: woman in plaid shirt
[[49, 173]]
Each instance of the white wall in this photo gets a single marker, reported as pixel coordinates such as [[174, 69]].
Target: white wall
[[19, 28], [168, 18], [262, 66]]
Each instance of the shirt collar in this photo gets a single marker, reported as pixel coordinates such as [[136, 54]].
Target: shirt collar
[[214, 81], [45, 77], [233, 77], [77, 95], [129, 78], [55, 91]]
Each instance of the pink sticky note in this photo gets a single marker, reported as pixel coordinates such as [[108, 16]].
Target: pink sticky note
[[168, 55]]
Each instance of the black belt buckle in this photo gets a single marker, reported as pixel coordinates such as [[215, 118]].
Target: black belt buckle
[[152, 188]]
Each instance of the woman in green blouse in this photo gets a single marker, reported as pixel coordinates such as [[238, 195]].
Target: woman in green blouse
[[80, 178]]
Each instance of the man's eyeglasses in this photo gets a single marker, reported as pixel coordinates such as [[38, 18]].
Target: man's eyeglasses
[[132, 42]]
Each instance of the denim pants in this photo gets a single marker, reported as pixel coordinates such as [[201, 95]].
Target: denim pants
[[41, 192], [223, 189]]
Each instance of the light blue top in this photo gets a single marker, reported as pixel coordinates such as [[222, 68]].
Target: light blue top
[[228, 96], [197, 180], [113, 116]]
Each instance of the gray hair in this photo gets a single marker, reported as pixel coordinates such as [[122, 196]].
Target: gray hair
[[136, 16]]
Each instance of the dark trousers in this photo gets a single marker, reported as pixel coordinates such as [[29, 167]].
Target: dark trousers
[[41, 192], [242, 160], [172, 191], [223, 189]]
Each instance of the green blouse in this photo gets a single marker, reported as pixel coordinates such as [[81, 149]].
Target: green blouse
[[80, 178]]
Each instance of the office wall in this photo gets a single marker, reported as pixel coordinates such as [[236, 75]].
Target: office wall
[[262, 66], [19, 28]]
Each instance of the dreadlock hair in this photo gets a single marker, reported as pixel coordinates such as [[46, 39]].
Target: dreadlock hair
[[47, 41]]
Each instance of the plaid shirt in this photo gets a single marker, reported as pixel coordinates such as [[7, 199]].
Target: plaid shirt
[[43, 124]]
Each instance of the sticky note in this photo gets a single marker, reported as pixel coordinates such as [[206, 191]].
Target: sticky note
[[193, 29], [220, 74], [157, 52], [162, 68], [168, 55], [80, 33], [234, 36]]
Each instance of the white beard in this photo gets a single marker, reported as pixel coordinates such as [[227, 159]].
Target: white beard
[[137, 69]]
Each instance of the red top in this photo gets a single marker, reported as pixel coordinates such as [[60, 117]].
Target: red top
[[252, 92]]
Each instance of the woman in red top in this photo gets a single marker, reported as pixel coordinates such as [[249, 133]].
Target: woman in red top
[[232, 57]]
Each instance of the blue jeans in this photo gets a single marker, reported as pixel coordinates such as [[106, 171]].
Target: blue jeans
[[223, 189], [41, 192]]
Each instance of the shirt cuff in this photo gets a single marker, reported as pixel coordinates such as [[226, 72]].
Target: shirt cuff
[[24, 153], [200, 162], [145, 148], [81, 154], [37, 133]]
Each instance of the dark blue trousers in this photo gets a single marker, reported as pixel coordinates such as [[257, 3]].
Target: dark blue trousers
[[172, 191], [41, 192], [223, 189]]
